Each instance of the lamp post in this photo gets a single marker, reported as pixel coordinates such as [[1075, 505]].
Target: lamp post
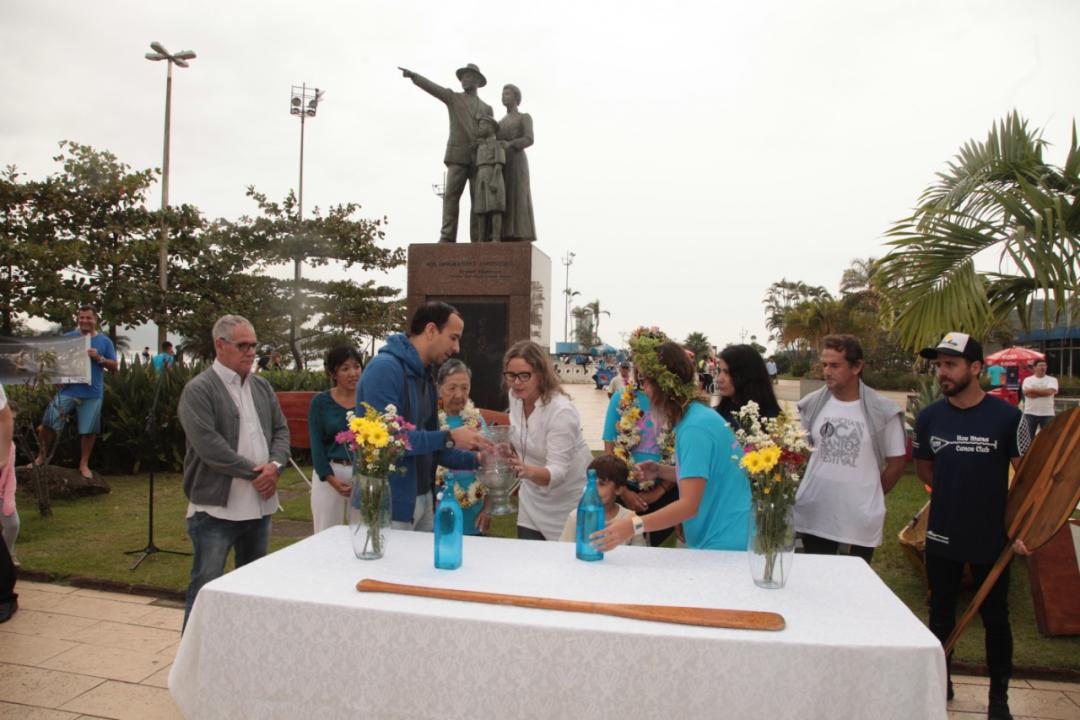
[[567, 260], [180, 58], [303, 104]]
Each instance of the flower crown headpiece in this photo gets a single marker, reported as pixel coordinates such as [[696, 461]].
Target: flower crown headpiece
[[643, 344]]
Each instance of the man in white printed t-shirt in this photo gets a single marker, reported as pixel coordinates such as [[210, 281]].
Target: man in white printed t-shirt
[[858, 440], [1039, 392]]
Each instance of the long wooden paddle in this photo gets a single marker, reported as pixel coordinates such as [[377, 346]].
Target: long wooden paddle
[[1044, 493], [706, 617]]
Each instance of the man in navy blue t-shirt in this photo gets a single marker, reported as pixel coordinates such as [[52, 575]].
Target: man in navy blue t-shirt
[[964, 444]]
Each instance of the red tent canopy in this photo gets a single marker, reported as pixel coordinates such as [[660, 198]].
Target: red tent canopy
[[1014, 356]]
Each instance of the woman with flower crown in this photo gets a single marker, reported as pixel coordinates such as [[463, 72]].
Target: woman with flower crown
[[714, 495], [632, 435], [457, 410]]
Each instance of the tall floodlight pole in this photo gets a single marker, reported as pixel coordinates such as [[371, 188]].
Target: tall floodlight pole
[[180, 58], [567, 260], [304, 104]]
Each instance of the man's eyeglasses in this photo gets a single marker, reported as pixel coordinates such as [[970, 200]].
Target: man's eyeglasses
[[520, 377], [242, 346]]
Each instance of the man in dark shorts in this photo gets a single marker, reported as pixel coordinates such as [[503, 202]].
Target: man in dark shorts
[[964, 444]]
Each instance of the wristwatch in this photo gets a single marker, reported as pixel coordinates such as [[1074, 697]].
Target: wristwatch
[[449, 440], [277, 465], [639, 524]]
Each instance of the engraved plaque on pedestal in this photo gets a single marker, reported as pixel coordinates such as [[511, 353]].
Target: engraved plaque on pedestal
[[503, 291]]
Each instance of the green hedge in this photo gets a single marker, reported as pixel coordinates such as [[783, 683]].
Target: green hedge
[[123, 446]]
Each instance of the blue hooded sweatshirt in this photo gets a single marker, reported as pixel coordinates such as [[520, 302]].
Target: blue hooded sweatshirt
[[397, 376]]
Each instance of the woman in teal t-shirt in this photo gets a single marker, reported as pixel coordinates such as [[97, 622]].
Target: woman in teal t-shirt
[[714, 495], [455, 381]]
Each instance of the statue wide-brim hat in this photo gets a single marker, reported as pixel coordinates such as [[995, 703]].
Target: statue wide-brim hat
[[472, 67]]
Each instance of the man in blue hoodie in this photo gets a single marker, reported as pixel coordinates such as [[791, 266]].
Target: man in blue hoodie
[[403, 375]]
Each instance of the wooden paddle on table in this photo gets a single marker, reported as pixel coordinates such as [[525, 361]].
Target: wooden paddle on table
[[1044, 493], [705, 617]]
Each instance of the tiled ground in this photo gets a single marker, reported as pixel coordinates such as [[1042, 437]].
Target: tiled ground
[[71, 653]]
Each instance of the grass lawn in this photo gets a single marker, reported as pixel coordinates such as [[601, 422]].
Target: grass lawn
[[88, 537]]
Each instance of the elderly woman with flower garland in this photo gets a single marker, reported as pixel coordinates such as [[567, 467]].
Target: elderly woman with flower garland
[[551, 454], [714, 495], [332, 475], [632, 435], [457, 410]]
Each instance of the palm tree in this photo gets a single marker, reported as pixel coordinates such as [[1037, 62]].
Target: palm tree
[[997, 197], [594, 309], [697, 343], [583, 326]]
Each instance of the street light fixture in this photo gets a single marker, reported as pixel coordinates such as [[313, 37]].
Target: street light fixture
[[180, 58], [567, 260], [303, 104]]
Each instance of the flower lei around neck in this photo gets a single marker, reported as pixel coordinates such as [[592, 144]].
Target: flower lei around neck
[[628, 429], [466, 497]]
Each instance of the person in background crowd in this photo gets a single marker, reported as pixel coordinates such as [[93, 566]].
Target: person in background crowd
[[964, 445], [997, 374], [237, 443], [551, 454], [741, 377], [455, 382], [1039, 392], [331, 479], [145, 355], [770, 367], [859, 455], [620, 381], [81, 399], [9, 599], [402, 375], [714, 494], [166, 358]]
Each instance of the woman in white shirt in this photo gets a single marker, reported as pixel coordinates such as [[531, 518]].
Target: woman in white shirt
[[550, 452]]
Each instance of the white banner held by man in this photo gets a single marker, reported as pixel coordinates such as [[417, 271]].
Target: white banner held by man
[[56, 360]]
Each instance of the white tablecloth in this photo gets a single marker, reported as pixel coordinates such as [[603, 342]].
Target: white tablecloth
[[290, 637]]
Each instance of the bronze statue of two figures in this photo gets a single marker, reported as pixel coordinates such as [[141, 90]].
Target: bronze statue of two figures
[[488, 156]]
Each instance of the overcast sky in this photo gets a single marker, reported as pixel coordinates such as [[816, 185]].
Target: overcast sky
[[690, 154]]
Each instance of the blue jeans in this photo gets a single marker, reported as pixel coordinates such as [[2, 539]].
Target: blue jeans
[[212, 538]]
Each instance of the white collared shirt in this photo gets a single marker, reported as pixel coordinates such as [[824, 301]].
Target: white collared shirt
[[550, 437], [244, 502]]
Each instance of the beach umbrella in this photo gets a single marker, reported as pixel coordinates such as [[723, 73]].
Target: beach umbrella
[[1014, 356]]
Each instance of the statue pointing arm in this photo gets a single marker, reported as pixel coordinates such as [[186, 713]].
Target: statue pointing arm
[[426, 85]]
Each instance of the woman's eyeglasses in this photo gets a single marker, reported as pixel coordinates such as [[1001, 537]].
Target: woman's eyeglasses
[[520, 377]]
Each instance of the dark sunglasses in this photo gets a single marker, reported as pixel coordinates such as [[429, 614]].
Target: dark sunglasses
[[521, 376]]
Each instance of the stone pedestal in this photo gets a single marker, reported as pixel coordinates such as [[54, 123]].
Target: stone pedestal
[[503, 291]]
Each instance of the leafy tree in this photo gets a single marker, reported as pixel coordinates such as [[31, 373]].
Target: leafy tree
[[995, 197], [276, 237], [781, 297], [100, 208], [697, 343], [32, 257]]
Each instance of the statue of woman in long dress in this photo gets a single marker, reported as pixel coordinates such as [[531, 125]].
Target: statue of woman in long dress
[[516, 129]]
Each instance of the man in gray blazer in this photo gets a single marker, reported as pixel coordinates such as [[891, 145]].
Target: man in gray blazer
[[237, 443]]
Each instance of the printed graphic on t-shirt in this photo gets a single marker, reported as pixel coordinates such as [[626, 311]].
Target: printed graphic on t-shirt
[[840, 441], [964, 444]]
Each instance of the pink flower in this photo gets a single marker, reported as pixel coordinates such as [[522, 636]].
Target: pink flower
[[345, 437]]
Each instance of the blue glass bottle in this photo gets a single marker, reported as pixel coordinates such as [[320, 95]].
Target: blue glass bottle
[[449, 527], [590, 518]]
